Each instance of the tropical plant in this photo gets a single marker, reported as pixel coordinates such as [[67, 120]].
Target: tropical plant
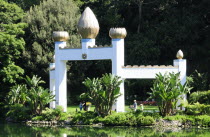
[[199, 81], [34, 81], [103, 92], [31, 95], [38, 97], [52, 114], [17, 95], [167, 90]]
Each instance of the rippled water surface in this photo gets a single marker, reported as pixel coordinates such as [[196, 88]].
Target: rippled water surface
[[20, 130]]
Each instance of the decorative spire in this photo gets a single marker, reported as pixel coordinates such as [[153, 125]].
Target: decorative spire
[[88, 25], [60, 36], [179, 54], [117, 33]]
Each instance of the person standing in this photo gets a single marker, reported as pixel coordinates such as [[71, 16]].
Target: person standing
[[142, 107], [134, 105], [80, 106]]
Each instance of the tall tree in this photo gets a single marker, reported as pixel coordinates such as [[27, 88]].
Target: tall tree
[[12, 45], [43, 19]]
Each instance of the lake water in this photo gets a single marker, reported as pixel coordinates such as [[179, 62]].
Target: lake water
[[20, 130]]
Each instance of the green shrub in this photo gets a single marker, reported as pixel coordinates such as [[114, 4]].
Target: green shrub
[[182, 118], [131, 119], [64, 116], [166, 91], [18, 112], [147, 121], [84, 118], [139, 119], [155, 115], [193, 109], [48, 114], [32, 96], [54, 114], [206, 109], [203, 120], [38, 118], [197, 108], [99, 119], [115, 119], [202, 97], [128, 119], [103, 92]]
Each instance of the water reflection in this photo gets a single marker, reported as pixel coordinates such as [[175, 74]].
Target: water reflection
[[18, 130]]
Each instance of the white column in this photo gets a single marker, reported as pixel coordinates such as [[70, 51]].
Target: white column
[[85, 44], [182, 68], [52, 83], [117, 63], [60, 78]]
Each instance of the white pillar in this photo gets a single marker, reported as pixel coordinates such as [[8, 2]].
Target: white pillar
[[85, 44], [52, 83], [60, 77], [117, 63], [182, 69]]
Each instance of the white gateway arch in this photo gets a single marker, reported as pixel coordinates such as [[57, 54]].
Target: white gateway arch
[[88, 28]]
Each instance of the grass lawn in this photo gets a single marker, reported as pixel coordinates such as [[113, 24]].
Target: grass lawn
[[146, 108]]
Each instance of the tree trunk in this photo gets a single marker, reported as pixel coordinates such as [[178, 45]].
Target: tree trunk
[[140, 3]]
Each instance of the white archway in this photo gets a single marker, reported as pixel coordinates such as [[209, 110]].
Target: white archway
[[90, 51]]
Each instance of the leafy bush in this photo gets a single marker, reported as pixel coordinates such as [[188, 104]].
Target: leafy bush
[[155, 115], [18, 112], [128, 119], [84, 118], [199, 81], [115, 119], [24, 101], [54, 114], [203, 120], [103, 92], [182, 118], [49, 114], [197, 108], [38, 97], [131, 119], [167, 90], [147, 121], [37, 118], [202, 97]]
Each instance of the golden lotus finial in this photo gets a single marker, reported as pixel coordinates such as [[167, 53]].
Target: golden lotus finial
[[88, 25], [60, 36], [179, 54], [117, 33]]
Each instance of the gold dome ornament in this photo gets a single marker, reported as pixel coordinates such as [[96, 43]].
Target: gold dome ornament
[[60, 36], [88, 25], [179, 54], [117, 33]]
